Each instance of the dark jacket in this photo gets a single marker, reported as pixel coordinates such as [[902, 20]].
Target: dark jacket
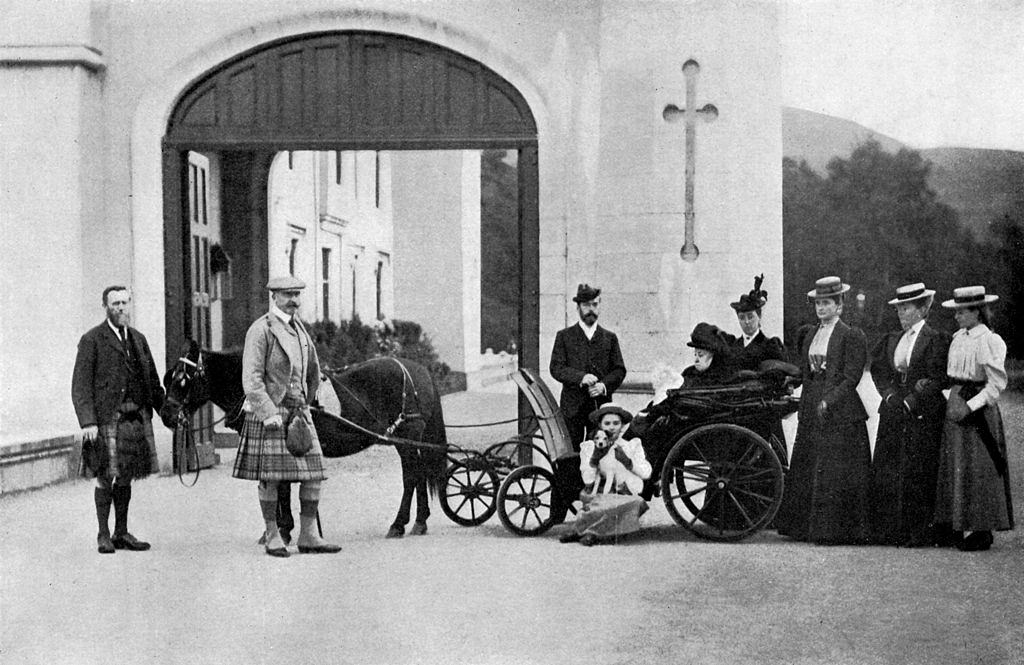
[[574, 355], [836, 385], [926, 373], [751, 356], [101, 375]]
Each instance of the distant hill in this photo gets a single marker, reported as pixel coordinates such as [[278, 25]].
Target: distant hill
[[981, 185]]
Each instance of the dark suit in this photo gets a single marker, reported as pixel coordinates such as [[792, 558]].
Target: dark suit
[[906, 460], [102, 372], [574, 356], [826, 487]]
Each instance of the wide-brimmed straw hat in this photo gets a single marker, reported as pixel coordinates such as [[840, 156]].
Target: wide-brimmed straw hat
[[969, 296], [828, 287], [610, 407], [910, 293]]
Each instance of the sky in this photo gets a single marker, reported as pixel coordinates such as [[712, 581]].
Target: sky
[[929, 74]]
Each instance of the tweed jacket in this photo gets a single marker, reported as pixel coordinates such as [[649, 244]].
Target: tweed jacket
[[574, 355], [101, 373], [926, 372], [836, 384], [267, 362]]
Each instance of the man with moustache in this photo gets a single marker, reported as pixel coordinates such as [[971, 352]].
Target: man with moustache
[[280, 377], [587, 361], [115, 388]]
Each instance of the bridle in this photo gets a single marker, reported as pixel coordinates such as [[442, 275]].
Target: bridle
[[186, 373]]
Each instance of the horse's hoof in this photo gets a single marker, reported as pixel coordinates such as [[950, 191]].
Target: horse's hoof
[[418, 529], [395, 532]]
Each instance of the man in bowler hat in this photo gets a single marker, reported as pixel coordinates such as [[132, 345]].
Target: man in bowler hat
[[587, 361]]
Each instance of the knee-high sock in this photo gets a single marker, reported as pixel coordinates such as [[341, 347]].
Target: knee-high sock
[[122, 496], [102, 498]]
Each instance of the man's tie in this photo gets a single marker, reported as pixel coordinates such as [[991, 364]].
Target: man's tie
[[123, 335]]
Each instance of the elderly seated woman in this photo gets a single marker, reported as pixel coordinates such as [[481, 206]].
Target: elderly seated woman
[[711, 357], [613, 471]]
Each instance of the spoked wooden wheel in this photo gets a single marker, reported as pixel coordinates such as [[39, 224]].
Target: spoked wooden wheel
[[524, 501], [722, 482], [470, 489]]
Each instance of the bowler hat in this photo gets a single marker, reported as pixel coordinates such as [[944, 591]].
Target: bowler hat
[[707, 336], [753, 301], [828, 287], [586, 293], [910, 293], [610, 407], [287, 283], [969, 296]]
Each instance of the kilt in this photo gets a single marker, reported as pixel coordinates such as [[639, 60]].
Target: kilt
[[262, 454], [130, 455]]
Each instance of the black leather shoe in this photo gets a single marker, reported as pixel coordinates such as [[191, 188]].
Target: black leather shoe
[[571, 537], [127, 541], [325, 548], [104, 546], [979, 541]]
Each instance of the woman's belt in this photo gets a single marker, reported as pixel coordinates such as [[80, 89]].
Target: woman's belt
[[968, 388]]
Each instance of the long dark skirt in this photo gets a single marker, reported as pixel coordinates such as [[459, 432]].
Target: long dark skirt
[[903, 477], [825, 496], [972, 495]]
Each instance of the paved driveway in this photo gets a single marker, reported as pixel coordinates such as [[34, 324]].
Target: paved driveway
[[205, 593]]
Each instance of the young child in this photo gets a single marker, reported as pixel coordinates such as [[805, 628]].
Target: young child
[[613, 471]]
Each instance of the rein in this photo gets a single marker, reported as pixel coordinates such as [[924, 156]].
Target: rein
[[184, 441]]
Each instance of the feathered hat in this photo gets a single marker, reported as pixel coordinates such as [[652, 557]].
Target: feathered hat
[[754, 300]]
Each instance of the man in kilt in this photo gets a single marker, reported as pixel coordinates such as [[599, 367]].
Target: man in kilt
[[115, 388], [280, 377]]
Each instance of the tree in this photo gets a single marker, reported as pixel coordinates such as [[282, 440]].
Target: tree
[[875, 222], [499, 248]]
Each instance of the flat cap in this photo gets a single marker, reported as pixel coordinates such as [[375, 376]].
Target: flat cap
[[287, 283]]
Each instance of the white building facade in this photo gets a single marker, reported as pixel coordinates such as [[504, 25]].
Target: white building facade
[[92, 86]]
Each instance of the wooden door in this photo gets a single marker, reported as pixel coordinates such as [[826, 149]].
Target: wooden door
[[199, 250]]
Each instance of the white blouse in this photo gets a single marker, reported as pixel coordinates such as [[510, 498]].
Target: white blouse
[[978, 354]]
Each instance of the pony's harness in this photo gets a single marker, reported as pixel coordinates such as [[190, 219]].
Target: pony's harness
[[402, 417]]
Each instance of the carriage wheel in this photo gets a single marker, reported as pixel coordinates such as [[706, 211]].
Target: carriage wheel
[[505, 456], [722, 482], [524, 501], [470, 488]]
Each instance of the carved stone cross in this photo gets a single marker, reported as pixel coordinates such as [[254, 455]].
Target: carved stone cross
[[690, 115]]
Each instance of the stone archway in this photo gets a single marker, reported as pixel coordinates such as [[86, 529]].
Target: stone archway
[[342, 90]]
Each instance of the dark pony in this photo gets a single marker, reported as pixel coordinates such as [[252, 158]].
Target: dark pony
[[382, 400]]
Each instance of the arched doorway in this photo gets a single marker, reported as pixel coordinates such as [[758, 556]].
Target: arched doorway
[[325, 91]]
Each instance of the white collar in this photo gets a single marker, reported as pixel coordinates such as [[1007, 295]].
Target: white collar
[[747, 339], [915, 329], [976, 331], [279, 313], [588, 330]]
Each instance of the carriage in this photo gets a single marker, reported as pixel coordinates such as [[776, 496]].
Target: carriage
[[717, 453]]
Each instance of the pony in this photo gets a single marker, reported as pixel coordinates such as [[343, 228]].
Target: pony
[[383, 400]]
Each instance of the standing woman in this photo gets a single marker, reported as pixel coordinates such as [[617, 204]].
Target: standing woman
[[826, 487], [909, 371], [974, 482]]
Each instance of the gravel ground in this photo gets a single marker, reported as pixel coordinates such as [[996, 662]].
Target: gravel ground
[[206, 593]]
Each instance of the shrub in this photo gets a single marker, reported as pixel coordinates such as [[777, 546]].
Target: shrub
[[350, 342]]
